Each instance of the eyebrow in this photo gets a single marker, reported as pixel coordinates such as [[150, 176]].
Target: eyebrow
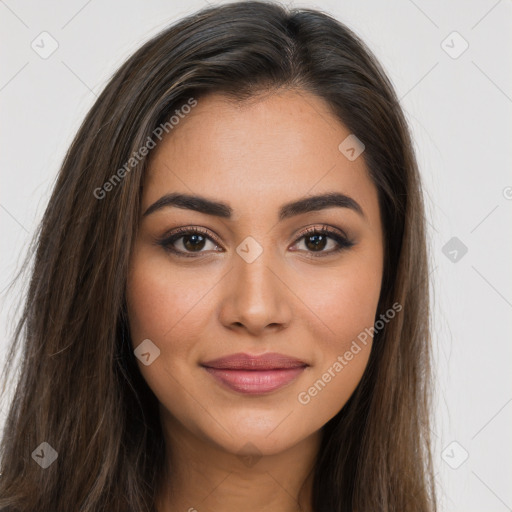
[[219, 209]]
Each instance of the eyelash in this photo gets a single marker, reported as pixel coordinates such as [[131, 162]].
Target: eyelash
[[167, 242]]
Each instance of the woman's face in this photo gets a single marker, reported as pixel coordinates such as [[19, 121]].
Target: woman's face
[[253, 281]]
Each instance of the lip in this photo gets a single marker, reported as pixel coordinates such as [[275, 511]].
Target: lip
[[242, 361], [255, 374]]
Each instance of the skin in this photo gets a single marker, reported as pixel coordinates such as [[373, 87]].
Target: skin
[[255, 156]]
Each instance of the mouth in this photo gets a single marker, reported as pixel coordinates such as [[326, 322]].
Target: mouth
[[250, 374]]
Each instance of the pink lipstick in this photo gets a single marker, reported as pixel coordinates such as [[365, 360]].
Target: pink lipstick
[[252, 374]]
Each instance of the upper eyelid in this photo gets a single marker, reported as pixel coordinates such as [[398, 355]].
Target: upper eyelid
[[323, 227]]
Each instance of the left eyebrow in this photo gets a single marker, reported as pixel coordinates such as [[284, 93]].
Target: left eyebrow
[[219, 209]]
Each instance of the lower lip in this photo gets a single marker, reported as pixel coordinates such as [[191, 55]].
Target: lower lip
[[255, 381]]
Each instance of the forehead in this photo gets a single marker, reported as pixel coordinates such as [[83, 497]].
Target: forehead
[[258, 154]]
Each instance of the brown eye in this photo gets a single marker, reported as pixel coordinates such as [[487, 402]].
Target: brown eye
[[186, 241], [316, 240], [193, 242]]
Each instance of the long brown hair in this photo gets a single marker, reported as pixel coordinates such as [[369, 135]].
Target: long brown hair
[[79, 388]]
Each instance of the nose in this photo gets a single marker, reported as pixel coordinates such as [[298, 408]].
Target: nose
[[256, 297]]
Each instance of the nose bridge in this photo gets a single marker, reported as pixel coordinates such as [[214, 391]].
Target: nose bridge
[[253, 278], [257, 295]]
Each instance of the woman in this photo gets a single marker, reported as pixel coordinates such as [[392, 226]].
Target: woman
[[229, 304]]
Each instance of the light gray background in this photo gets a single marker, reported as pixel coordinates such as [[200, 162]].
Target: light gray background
[[460, 112]]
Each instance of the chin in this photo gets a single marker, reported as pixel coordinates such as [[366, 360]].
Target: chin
[[256, 434]]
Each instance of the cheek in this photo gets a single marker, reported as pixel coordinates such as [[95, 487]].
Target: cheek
[[162, 302], [169, 308], [345, 304], [345, 300], [342, 354]]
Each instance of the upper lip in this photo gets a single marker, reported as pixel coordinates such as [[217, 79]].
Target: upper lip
[[241, 361]]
